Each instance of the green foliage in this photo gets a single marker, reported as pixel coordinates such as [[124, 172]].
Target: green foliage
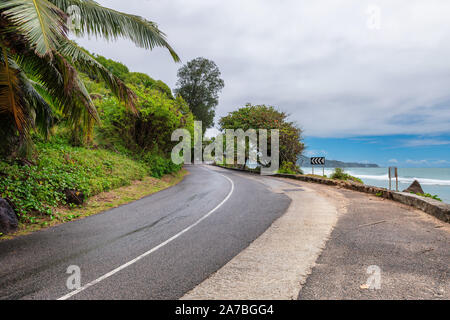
[[428, 195], [160, 165], [267, 117], [40, 66], [199, 83], [127, 145], [140, 79], [164, 88], [289, 168], [116, 68], [96, 88], [35, 189], [149, 130], [339, 174]]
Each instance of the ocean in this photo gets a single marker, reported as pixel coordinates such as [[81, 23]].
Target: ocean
[[435, 181]]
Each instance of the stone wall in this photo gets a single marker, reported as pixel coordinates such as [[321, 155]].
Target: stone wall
[[433, 207]]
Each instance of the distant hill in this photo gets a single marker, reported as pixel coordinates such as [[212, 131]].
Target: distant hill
[[306, 162]]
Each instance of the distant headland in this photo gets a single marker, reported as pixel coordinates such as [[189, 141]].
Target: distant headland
[[306, 162]]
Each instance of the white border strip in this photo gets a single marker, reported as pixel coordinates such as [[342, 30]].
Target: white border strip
[[109, 274]]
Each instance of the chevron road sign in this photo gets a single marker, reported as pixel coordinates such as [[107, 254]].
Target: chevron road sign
[[318, 161]]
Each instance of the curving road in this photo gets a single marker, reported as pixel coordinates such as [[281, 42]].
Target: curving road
[[159, 247]]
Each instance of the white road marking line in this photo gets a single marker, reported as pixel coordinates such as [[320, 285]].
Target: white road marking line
[[109, 274]]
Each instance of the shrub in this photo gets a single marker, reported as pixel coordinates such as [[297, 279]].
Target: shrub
[[289, 168], [151, 129], [159, 165], [339, 174], [34, 189]]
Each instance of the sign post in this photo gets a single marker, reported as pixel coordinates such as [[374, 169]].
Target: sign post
[[393, 173], [318, 161]]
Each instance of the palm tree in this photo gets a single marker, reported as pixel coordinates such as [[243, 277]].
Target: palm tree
[[40, 65]]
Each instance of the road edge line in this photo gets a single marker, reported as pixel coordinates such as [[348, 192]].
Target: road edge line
[[131, 262]]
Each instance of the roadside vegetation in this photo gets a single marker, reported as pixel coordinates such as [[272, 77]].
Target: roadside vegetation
[[70, 165], [428, 195], [339, 174], [268, 117], [106, 200], [290, 168], [75, 125]]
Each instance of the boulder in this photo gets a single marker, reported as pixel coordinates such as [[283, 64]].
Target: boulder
[[415, 187], [8, 218], [74, 196]]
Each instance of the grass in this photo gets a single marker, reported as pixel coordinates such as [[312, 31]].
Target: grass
[[101, 202], [35, 189]]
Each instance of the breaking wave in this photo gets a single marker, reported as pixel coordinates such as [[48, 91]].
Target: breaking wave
[[423, 181]]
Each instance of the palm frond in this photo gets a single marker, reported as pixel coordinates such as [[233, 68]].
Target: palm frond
[[19, 98], [77, 101], [111, 24], [43, 116], [84, 62], [61, 81], [42, 23], [10, 93]]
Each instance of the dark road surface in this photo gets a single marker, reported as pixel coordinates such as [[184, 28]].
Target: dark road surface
[[185, 251]]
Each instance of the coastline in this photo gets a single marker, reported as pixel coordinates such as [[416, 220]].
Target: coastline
[[438, 209], [435, 181]]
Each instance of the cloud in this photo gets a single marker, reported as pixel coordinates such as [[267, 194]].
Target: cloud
[[316, 60], [425, 142], [393, 161], [420, 162], [438, 162], [313, 153]]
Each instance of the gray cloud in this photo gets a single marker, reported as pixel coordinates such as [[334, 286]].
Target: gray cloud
[[316, 60]]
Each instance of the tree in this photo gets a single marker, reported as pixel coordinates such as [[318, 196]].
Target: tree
[[40, 66], [151, 129], [116, 68], [199, 84], [267, 117]]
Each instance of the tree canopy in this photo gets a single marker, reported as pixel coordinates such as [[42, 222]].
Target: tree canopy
[[199, 84], [267, 117]]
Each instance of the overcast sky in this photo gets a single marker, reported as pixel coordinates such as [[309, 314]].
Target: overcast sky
[[328, 63]]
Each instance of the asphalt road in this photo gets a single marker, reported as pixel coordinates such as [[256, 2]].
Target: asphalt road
[[410, 249], [159, 247]]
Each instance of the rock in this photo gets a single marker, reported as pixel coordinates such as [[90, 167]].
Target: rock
[[415, 187], [8, 218], [74, 196]]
